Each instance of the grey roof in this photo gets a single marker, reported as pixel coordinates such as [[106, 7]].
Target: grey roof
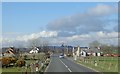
[[92, 50]]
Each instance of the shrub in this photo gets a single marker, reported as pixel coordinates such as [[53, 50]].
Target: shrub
[[20, 63], [25, 57], [6, 61], [13, 60]]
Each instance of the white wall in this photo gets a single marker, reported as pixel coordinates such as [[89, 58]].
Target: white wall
[[94, 54], [98, 54], [83, 53]]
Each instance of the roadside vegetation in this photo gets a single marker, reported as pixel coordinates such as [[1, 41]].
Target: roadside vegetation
[[101, 64], [26, 63]]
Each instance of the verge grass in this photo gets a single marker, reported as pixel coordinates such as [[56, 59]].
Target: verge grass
[[104, 64]]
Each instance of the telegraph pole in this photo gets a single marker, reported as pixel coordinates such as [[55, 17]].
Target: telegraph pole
[[62, 48]]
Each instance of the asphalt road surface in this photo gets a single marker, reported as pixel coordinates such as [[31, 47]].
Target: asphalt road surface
[[64, 65]]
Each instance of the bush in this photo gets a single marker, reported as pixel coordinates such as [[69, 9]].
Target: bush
[[20, 63], [6, 61], [13, 60], [47, 55], [25, 57]]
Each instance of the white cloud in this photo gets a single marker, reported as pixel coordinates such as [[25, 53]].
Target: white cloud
[[104, 35], [85, 39], [93, 20], [52, 38], [37, 35], [102, 9], [25, 38], [94, 35]]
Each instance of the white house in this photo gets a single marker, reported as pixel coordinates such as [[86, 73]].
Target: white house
[[83, 53], [34, 50], [90, 52]]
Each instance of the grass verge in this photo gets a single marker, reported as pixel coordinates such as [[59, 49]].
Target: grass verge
[[101, 64]]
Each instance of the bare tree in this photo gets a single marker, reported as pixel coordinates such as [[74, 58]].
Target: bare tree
[[95, 44], [105, 48], [42, 43], [45, 46], [34, 43]]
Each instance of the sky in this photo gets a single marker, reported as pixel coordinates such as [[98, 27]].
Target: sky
[[72, 23]]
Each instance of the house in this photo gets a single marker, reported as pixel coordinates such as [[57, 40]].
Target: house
[[77, 50], [83, 51], [90, 52], [34, 50], [95, 52], [10, 52]]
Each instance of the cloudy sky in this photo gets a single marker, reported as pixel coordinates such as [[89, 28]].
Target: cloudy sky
[[72, 23]]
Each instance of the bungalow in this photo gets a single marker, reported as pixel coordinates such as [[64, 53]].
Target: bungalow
[[34, 50], [90, 52], [77, 50]]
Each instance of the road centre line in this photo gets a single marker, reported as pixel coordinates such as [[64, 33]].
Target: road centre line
[[66, 66]]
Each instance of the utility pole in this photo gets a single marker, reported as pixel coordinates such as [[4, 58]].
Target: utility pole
[[73, 51], [62, 48], [78, 51], [67, 50]]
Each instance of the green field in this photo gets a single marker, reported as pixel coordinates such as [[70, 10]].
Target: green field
[[0, 70], [39, 56], [15, 69], [103, 64], [18, 69]]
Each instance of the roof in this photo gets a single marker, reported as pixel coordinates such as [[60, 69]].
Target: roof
[[83, 47], [92, 50]]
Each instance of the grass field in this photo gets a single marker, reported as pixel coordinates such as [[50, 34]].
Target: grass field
[[18, 69], [38, 56], [102, 64], [15, 69], [0, 70]]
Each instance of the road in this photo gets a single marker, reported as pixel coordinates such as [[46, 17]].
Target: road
[[65, 65]]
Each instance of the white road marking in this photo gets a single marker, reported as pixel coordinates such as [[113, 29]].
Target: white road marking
[[66, 66], [48, 66], [69, 69]]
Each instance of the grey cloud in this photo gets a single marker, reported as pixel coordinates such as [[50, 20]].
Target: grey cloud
[[77, 23], [93, 20], [66, 33]]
